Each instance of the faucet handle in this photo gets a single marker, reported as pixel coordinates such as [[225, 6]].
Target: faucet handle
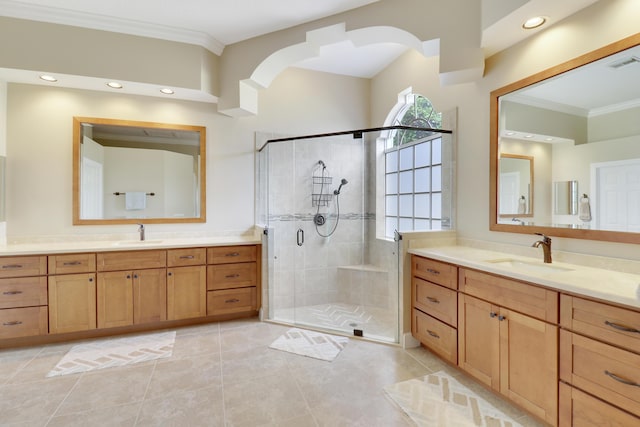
[[545, 238]]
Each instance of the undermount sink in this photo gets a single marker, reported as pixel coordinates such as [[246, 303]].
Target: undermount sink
[[528, 265], [135, 242]]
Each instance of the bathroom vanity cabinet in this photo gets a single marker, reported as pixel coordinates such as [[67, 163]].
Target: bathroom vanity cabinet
[[87, 294], [568, 359]]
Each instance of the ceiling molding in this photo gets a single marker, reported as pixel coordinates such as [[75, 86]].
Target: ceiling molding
[[116, 25]]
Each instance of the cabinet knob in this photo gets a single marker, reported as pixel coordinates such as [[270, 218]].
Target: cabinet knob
[[135, 276], [169, 274], [128, 276], [501, 318], [91, 279], [492, 314]]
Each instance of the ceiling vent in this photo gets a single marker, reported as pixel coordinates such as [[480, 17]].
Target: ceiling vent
[[624, 62]]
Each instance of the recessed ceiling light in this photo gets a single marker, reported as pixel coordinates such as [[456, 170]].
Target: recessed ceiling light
[[534, 22], [167, 91], [510, 133], [48, 78], [114, 85], [528, 136], [548, 139]]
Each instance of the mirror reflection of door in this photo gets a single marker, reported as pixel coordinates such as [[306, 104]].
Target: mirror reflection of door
[[92, 194], [515, 185], [617, 189]]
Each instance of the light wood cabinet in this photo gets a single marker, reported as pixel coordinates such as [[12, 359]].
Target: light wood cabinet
[[599, 363], [435, 335], [513, 353], [149, 296], [186, 292], [72, 303]]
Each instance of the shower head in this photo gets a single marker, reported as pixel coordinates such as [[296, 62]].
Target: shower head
[[342, 182]]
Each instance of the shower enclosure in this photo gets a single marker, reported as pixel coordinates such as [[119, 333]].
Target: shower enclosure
[[325, 267]]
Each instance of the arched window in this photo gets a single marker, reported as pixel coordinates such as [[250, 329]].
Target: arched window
[[414, 169]]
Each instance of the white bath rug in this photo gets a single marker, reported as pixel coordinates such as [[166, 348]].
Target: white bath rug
[[107, 353], [439, 400], [310, 344]]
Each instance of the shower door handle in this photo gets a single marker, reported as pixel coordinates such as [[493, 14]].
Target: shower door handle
[[300, 237]]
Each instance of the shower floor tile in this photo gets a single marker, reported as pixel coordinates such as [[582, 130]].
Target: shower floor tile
[[376, 323]]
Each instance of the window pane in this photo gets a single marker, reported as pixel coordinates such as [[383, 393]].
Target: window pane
[[436, 178], [422, 206], [423, 180], [391, 224], [392, 161], [391, 205], [406, 182], [437, 151], [406, 224], [436, 205], [406, 158], [423, 154], [392, 183], [406, 205], [436, 225], [421, 225]]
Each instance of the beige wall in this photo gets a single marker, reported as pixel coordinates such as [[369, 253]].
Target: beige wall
[[614, 19], [39, 126]]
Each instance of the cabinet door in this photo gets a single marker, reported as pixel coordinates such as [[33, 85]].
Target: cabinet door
[[115, 299], [479, 340], [72, 303], [149, 296], [186, 292], [529, 363]]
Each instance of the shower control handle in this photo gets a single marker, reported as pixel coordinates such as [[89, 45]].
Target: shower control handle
[[300, 237]]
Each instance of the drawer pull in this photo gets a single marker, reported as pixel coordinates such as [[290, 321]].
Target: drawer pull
[[72, 263], [232, 254], [621, 328], [231, 276], [432, 271], [187, 257], [13, 323], [621, 380], [8, 266], [231, 301], [433, 300], [12, 293], [433, 334]]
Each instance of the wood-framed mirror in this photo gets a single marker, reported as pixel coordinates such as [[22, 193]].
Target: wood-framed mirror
[[585, 116], [128, 172]]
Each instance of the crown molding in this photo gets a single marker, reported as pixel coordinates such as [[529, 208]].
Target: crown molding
[[125, 26]]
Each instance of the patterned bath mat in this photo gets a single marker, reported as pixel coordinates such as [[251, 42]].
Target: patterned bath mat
[[108, 353], [310, 344], [440, 400]]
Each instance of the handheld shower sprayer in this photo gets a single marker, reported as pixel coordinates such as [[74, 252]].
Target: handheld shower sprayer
[[342, 182]]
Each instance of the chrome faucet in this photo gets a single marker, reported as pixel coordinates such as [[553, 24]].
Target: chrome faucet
[[141, 231], [546, 247]]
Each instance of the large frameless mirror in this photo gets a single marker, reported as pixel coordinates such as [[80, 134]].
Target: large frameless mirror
[[129, 172], [579, 122]]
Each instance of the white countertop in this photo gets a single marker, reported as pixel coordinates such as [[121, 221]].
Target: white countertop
[[607, 285], [122, 245]]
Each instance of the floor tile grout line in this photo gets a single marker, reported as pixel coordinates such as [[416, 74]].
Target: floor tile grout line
[[224, 404], [21, 367], [146, 390], [55, 411]]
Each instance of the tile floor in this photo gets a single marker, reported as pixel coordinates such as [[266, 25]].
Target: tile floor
[[220, 374]]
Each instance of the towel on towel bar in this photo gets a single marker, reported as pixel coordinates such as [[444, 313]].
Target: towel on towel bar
[[135, 200], [584, 209]]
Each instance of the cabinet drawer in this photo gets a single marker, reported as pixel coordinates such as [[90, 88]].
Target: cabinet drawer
[[617, 326], [189, 256], [231, 301], [518, 296], [23, 292], [72, 263], [23, 322], [437, 336], [434, 271], [437, 301], [231, 275], [607, 372], [131, 260], [231, 254], [22, 266], [578, 409]]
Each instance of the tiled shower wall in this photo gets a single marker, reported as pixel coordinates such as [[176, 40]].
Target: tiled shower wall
[[350, 266]]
